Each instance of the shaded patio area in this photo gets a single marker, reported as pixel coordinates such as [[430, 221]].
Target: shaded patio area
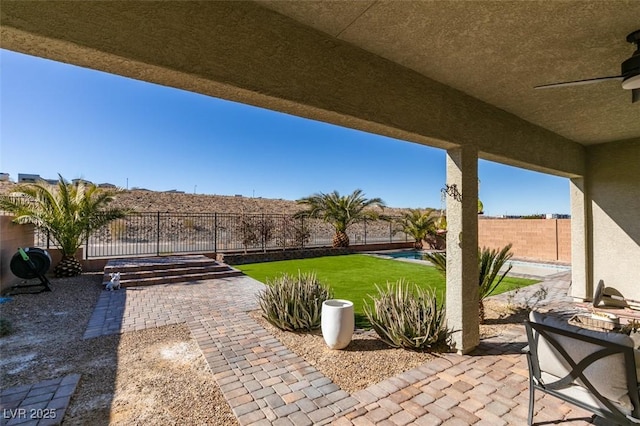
[[266, 383]]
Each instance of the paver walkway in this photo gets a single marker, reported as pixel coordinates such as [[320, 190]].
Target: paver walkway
[[39, 404], [265, 383]]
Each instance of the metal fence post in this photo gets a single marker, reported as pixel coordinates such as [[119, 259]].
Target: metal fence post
[[365, 230], [215, 232], [263, 229], [158, 235], [283, 226]]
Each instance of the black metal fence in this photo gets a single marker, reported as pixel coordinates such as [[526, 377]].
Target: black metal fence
[[157, 233]]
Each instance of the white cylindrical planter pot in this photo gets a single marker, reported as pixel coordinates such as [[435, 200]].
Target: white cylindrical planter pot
[[337, 323]]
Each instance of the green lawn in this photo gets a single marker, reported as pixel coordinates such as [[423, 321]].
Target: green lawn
[[353, 277]]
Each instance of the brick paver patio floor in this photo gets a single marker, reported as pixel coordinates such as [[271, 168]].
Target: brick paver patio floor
[[266, 383], [39, 404]]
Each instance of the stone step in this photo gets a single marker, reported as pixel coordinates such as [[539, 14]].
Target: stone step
[[126, 274], [172, 279], [157, 263], [166, 270]]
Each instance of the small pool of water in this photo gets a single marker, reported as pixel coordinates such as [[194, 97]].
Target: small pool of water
[[408, 254], [417, 254]]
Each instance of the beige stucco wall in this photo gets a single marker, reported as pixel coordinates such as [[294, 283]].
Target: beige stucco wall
[[613, 182], [580, 240], [12, 237]]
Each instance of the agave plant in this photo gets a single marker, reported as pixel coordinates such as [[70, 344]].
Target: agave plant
[[294, 303], [490, 262], [419, 224], [489, 265], [407, 316], [340, 211], [68, 212], [439, 261]]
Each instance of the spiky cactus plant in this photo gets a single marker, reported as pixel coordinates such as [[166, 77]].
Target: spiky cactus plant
[[294, 303]]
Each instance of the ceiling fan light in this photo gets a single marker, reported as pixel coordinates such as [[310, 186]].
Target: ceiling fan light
[[632, 82]]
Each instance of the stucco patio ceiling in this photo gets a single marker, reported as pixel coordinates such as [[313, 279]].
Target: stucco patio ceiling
[[497, 51], [426, 71]]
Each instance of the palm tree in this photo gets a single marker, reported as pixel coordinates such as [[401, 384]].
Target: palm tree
[[419, 224], [68, 212], [340, 211]]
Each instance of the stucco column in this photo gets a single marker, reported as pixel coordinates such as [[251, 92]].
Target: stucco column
[[581, 285], [462, 248]]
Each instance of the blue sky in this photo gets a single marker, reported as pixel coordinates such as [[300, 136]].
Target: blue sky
[[58, 118]]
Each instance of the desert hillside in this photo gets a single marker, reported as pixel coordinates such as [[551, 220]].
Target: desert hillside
[[152, 201]]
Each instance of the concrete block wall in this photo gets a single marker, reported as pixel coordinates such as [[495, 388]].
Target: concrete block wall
[[13, 236], [536, 239], [564, 240]]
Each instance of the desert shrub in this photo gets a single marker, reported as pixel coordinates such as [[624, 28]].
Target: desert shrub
[[438, 260], [255, 230], [5, 327], [490, 262], [294, 303], [407, 316], [293, 233], [247, 228]]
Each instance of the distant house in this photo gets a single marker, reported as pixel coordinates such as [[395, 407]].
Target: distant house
[[537, 216], [4, 177], [28, 178], [31, 178], [106, 185], [558, 216], [81, 181]]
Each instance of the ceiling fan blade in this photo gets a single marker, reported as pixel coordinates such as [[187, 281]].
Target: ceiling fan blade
[[579, 82], [635, 95]]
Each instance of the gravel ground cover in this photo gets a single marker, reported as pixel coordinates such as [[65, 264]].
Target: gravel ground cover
[[368, 360], [153, 376]]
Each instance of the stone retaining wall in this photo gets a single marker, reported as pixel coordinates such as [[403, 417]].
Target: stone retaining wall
[[270, 256]]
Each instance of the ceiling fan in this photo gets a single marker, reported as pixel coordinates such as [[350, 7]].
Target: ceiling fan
[[630, 75]]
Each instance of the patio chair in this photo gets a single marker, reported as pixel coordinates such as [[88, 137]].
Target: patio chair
[[589, 369]]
